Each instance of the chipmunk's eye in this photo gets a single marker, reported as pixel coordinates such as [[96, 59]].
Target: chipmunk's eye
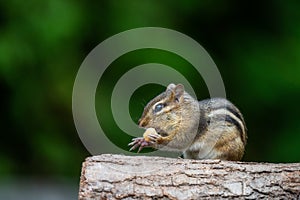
[[158, 107]]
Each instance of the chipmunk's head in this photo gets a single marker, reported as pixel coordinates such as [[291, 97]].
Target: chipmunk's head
[[164, 112]]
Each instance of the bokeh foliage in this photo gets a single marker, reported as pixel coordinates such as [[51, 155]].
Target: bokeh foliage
[[256, 46]]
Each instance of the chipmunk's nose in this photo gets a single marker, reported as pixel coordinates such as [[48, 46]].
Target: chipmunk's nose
[[143, 122]]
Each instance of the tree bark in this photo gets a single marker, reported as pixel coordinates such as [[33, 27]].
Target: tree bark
[[144, 177]]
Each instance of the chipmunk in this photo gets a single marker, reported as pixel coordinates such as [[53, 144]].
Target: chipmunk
[[209, 129]]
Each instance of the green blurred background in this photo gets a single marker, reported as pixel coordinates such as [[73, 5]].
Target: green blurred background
[[255, 44]]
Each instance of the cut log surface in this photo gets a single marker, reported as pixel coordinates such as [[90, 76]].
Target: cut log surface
[[143, 177]]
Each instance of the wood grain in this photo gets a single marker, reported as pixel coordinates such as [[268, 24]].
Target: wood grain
[[143, 177]]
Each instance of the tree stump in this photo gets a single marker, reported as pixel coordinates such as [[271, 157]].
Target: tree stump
[[143, 177]]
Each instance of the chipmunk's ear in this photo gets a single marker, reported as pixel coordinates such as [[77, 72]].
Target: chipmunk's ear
[[170, 90], [171, 86], [175, 91], [178, 90]]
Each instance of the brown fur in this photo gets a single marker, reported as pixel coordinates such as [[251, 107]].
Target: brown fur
[[209, 129]]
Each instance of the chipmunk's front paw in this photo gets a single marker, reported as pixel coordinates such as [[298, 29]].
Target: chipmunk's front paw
[[152, 138], [138, 142], [149, 139]]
